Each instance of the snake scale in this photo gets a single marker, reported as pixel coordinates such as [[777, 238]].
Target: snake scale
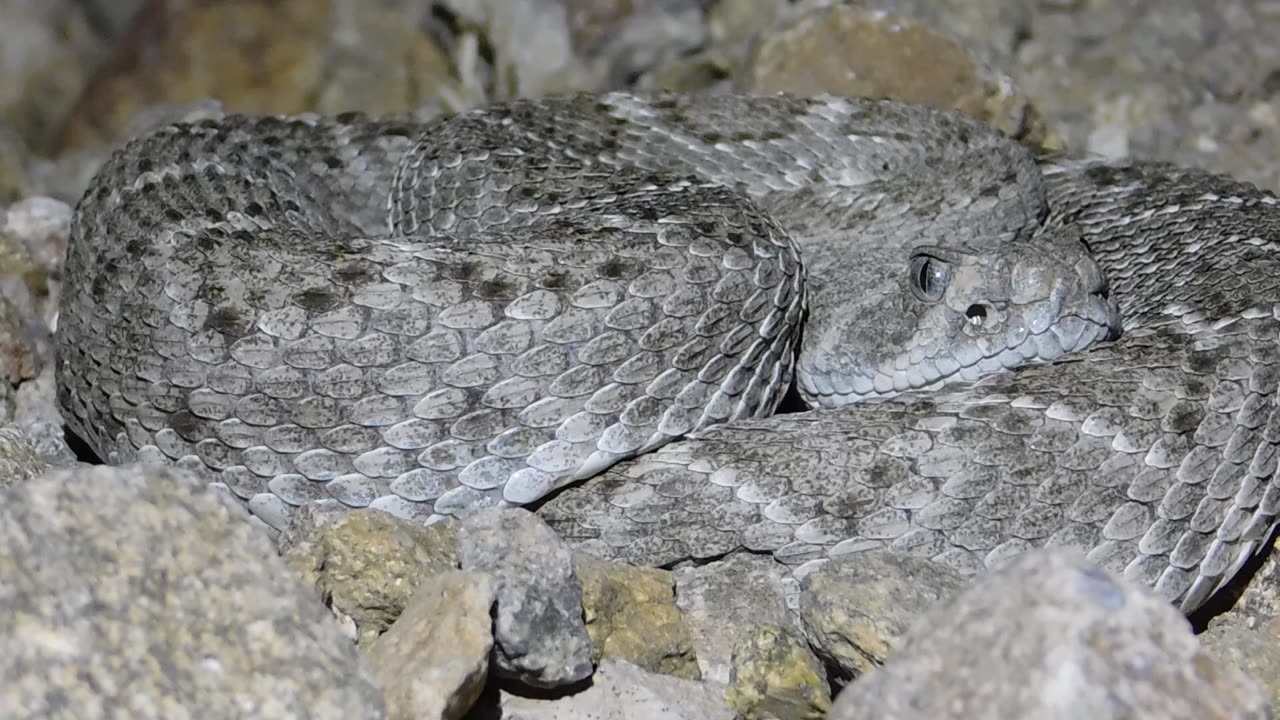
[[1002, 351]]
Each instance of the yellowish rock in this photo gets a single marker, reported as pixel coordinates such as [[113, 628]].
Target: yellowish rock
[[857, 52], [776, 675], [368, 563], [262, 56], [631, 615]]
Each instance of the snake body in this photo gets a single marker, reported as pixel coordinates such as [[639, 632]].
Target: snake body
[[432, 317]]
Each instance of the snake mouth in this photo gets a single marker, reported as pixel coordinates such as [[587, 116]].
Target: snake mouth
[[969, 362]]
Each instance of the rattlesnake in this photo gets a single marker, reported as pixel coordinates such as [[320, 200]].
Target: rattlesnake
[[432, 317]]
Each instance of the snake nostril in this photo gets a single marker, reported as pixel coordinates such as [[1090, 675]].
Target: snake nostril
[[977, 314]]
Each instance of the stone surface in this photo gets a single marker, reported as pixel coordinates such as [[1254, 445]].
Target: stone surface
[[894, 56], [433, 661], [1251, 647], [138, 593], [1050, 636], [621, 691], [856, 607], [49, 49], [19, 459], [277, 56], [368, 563], [541, 638], [776, 675], [632, 616], [1192, 81], [725, 601]]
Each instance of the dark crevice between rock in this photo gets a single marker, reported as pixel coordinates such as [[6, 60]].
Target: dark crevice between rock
[[79, 448]]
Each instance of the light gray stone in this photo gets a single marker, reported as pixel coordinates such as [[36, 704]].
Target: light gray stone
[[621, 691], [541, 636], [139, 593], [1051, 636], [433, 661], [725, 601]]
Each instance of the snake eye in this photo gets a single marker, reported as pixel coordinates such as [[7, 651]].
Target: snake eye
[[929, 277]]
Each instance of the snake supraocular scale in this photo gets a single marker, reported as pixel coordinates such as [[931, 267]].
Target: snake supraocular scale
[[427, 318]]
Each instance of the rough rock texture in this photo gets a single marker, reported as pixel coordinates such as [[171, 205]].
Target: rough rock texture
[[541, 639], [855, 608], [19, 459], [631, 616], [433, 662], [1193, 81], [263, 56], [725, 601], [621, 691], [138, 593], [776, 675], [48, 49], [1254, 649], [893, 56], [1051, 636], [368, 563]]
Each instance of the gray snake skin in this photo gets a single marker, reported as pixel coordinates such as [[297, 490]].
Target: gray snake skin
[[433, 317]]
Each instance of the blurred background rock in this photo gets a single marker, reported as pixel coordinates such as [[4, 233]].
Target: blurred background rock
[[1187, 80]]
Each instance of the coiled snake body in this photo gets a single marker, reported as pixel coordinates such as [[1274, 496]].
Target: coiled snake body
[[432, 317]]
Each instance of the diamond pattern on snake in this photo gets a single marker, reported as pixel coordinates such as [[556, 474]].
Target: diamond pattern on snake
[[1000, 351]]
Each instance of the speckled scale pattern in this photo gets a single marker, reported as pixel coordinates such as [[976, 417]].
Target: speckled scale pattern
[[1156, 454], [292, 339], [430, 318]]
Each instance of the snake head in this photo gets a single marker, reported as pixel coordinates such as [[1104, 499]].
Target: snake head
[[956, 314]]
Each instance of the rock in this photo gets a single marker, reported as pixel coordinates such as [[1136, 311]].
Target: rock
[[33, 244], [554, 46], [541, 638], [621, 691], [1253, 648], [14, 160], [433, 661], [49, 49], [136, 592], [307, 520], [895, 57], [36, 412], [776, 675], [368, 563], [1051, 636], [631, 615], [19, 459], [271, 56], [856, 607], [725, 601], [1156, 81]]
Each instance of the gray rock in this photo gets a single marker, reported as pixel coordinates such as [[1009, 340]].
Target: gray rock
[[725, 601], [541, 637], [36, 412], [1157, 80], [855, 607], [134, 592], [433, 661], [1254, 647], [19, 460], [621, 691], [1050, 636]]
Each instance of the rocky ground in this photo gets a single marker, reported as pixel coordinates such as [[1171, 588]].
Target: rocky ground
[[137, 593]]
